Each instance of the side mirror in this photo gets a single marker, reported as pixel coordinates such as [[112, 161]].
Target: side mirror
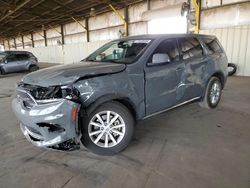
[[100, 57], [160, 58], [5, 61]]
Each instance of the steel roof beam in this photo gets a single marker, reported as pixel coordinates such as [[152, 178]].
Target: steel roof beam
[[17, 8]]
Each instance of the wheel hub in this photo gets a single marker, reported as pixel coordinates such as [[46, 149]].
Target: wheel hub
[[215, 93], [106, 129]]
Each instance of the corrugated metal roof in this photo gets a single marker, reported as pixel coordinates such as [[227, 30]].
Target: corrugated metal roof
[[22, 16]]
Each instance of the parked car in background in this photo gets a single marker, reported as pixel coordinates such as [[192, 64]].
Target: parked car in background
[[17, 61], [99, 100]]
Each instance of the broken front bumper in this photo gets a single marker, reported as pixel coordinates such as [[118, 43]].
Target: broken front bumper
[[48, 125]]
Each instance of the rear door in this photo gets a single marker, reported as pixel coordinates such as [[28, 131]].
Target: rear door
[[195, 62], [164, 81], [23, 61]]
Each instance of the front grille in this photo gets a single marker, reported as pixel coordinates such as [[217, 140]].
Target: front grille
[[25, 97]]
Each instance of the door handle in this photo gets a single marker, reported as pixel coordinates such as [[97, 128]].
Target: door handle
[[179, 69]]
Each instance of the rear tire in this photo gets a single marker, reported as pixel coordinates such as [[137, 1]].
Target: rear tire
[[33, 68], [212, 94], [108, 130], [234, 69]]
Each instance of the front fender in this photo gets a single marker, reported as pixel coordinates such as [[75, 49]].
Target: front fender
[[97, 90]]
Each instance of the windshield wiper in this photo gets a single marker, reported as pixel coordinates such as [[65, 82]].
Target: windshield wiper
[[92, 60], [113, 61]]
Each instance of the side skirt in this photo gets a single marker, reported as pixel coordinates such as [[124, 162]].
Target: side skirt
[[156, 113]]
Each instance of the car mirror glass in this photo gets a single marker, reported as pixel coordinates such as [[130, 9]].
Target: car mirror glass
[[160, 58]]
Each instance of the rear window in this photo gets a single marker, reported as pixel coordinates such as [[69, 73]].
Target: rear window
[[212, 45]]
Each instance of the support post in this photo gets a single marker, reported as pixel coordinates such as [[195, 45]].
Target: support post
[[32, 40], [148, 4], [45, 37], [87, 28], [15, 42], [122, 18], [197, 14], [62, 34], [9, 44], [199, 25], [22, 41], [126, 19]]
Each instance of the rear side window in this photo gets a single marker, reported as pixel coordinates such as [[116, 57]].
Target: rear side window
[[212, 45], [190, 47], [22, 57]]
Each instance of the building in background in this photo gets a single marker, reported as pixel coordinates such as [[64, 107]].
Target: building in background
[[229, 20]]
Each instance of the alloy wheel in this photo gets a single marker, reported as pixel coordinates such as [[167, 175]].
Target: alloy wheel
[[106, 129], [215, 93]]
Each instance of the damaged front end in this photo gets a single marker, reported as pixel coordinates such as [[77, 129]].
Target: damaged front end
[[49, 115]]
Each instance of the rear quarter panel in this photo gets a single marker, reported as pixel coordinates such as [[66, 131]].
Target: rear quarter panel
[[216, 64]]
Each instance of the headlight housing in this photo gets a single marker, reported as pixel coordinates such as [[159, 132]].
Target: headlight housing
[[44, 95], [70, 93]]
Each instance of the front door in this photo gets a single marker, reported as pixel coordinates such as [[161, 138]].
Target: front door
[[165, 80], [11, 64]]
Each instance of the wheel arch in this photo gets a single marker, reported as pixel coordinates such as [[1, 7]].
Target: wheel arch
[[220, 76], [217, 74], [125, 101], [32, 65], [2, 70]]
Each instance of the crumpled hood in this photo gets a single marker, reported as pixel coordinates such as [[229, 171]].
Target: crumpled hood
[[66, 74]]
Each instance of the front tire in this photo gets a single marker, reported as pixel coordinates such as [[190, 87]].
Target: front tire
[[212, 94], [2, 72], [108, 130]]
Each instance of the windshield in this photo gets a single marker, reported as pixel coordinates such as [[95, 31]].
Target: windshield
[[119, 51], [2, 55]]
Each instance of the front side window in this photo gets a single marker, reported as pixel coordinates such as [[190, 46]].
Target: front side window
[[169, 48], [12, 58], [212, 45], [190, 47], [2, 55], [119, 51]]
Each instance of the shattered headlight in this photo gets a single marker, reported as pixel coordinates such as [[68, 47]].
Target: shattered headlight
[[58, 93], [45, 95], [70, 93]]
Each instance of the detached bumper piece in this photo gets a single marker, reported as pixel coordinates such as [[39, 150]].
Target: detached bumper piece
[[69, 145], [53, 125]]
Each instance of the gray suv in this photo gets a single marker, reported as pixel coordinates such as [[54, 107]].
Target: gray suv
[[17, 61], [98, 100]]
